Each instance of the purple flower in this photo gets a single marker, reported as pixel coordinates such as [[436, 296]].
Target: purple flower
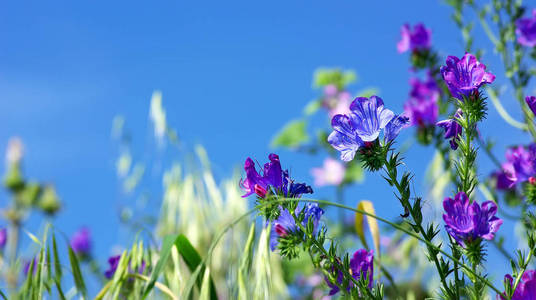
[[331, 173], [81, 242], [421, 107], [33, 262], [3, 238], [418, 39], [273, 178], [526, 30], [453, 130], [113, 262], [505, 177], [284, 224], [519, 167], [361, 264], [531, 102], [465, 76], [526, 288], [467, 222], [364, 123]]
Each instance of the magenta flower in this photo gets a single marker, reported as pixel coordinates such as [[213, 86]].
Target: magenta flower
[[531, 102], [418, 39], [453, 130], [364, 124], [113, 263], [421, 107], [526, 30], [81, 242], [361, 264], [273, 179], [335, 101], [3, 238], [465, 76], [285, 224], [519, 167], [331, 173], [526, 288], [467, 222]]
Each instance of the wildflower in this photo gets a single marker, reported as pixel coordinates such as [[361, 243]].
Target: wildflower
[[531, 102], [422, 108], [113, 261], [526, 30], [363, 124], [273, 178], [285, 224], [453, 130], [361, 264], [33, 263], [465, 76], [519, 167], [3, 238], [81, 242], [331, 173], [418, 39], [467, 222], [526, 288]]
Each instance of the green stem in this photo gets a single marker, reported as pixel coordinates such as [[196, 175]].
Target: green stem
[[405, 204], [218, 237], [325, 253], [523, 269]]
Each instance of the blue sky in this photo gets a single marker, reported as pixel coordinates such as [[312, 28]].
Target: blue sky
[[231, 74]]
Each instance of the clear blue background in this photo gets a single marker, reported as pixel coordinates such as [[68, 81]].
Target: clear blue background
[[231, 73]]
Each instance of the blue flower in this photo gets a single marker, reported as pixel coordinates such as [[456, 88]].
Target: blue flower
[[284, 224], [453, 130], [465, 76], [272, 178], [364, 123], [467, 222]]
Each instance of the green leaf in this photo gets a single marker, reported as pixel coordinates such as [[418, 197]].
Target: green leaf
[[368, 92], [354, 173], [245, 264], [57, 263], [292, 135], [61, 295], [204, 294], [312, 107], [77, 275], [164, 255], [193, 259]]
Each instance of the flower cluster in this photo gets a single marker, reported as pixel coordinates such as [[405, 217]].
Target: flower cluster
[[363, 125], [453, 130], [465, 76], [272, 180], [526, 289], [113, 263], [519, 167], [415, 40], [81, 242], [467, 222], [361, 266], [526, 30], [422, 108], [285, 224]]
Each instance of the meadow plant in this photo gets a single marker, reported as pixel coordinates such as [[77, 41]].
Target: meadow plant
[[261, 234]]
